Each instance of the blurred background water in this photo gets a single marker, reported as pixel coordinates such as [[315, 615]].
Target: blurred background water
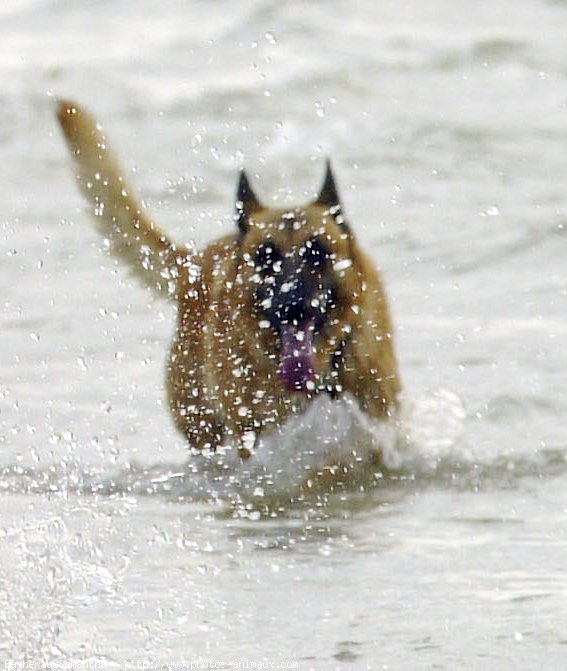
[[447, 126]]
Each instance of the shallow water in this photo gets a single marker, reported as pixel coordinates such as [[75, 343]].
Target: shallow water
[[446, 123]]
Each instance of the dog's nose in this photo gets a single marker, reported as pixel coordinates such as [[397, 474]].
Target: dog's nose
[[292, 304], [296, 312]]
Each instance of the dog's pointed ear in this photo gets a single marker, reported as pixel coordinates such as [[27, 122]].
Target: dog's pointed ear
[[246, 202], [328, 195]]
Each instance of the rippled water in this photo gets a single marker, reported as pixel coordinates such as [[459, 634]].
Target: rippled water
[[447, 126]]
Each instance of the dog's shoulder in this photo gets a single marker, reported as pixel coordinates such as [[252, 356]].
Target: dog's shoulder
[[210, 275]]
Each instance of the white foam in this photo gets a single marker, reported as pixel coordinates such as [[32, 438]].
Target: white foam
[[332, 443], [332, 446], [433, 426]]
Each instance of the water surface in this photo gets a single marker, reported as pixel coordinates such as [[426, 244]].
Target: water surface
[[447, 126]]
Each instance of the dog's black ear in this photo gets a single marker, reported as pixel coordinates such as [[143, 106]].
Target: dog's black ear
[[328, 196], [246, 202]]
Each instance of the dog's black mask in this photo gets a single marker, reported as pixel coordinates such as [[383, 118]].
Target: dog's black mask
[[294, 289]]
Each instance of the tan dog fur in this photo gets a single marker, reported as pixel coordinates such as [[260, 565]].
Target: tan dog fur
[[222, 376]]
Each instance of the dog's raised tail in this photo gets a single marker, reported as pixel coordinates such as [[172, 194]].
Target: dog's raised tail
[[121, 217]]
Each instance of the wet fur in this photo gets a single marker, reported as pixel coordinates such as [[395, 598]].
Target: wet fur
[[222, 375]]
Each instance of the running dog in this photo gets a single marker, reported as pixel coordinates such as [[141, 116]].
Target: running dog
[[286, 307]]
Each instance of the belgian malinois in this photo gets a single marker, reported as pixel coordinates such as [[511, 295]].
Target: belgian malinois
[[284, 308]]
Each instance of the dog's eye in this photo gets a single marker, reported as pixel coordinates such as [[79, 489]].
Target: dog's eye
[[316, 253], [267, 258]]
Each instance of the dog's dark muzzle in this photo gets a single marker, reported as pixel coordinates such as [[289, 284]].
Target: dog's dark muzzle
[[297, 306], [295, 302]]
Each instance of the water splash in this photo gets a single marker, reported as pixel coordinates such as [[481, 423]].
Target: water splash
[[332, 449], [433, 426]]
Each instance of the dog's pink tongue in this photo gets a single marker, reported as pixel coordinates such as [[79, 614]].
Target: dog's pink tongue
[[297, 363]]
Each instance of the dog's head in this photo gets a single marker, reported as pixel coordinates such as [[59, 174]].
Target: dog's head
[[300, 281]]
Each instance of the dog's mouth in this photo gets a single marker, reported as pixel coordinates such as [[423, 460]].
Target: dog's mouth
[[297, 359]]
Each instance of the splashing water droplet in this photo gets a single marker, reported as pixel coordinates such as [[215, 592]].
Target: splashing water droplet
[[319, 109], [491, 211]]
